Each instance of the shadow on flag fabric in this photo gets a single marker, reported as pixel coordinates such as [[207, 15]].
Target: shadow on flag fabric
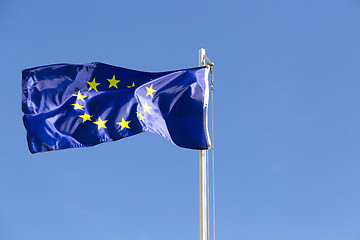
[[67, 105]]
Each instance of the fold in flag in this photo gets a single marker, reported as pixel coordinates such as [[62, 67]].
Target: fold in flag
[[66, 105]]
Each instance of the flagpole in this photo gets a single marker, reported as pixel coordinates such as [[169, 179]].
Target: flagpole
[[202, 175]]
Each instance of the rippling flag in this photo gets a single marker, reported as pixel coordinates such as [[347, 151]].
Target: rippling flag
[[67, 105]]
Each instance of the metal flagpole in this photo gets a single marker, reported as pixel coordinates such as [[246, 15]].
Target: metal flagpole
[[202, 171]]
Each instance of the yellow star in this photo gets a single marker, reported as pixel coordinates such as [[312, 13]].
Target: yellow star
[[93, 85], [141, 117], [124, 124], [133, 85], [77, 106], [85, 117], [147, 108], [80, 97], [150, 91], [101, 123], [113, 82]]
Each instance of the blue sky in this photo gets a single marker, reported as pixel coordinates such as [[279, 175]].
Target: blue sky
[[287, 115]]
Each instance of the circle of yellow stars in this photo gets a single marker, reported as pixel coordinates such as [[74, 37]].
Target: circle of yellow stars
[[102, 123]]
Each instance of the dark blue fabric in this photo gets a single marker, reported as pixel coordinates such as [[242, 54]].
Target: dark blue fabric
[[171, 104]]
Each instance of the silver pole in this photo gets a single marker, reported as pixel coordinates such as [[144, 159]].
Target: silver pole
[[202, 174]]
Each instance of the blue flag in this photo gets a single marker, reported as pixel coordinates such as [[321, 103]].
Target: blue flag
[[67, 105]]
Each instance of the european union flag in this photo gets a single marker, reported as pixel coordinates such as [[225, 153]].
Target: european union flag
[[67, 105]]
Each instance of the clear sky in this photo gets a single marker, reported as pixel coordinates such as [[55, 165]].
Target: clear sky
[[287, 121]]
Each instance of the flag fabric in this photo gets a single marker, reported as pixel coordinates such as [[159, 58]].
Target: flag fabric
[[67, 105]]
